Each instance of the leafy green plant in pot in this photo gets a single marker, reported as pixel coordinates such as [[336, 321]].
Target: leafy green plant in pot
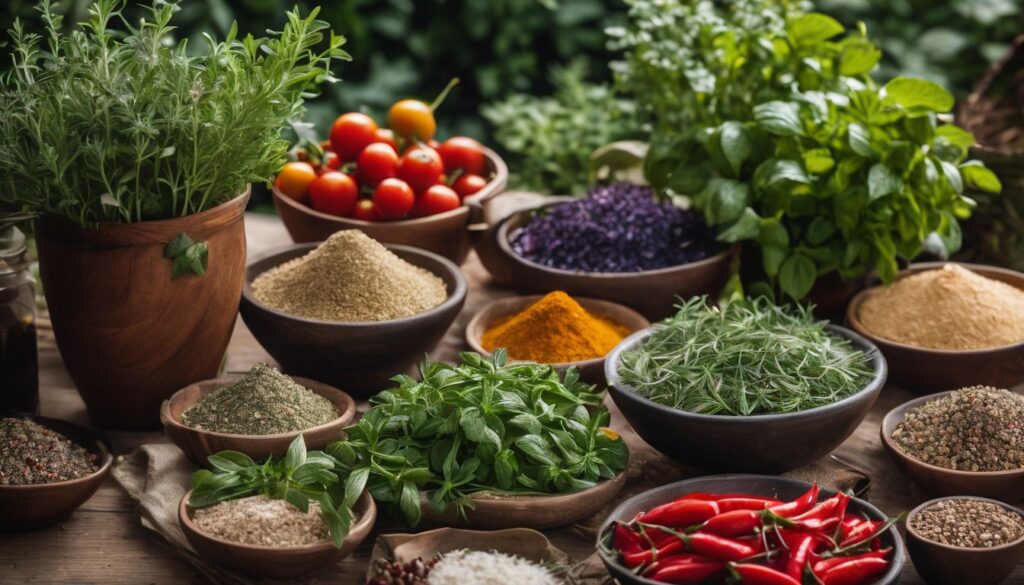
[[136, 157]]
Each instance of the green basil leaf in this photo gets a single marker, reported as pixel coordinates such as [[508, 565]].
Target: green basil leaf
[[745, 228], [882, 182], [779, 118], [813, 28], [296, 454], [952, 173], [858, 59], [818, 161], [771, 259], [860, 140], [977, 176], [230, 461], [912, 92], [297, 499], [797, 275], [820, 230], [178, 245], [409, 503], [735, 145]]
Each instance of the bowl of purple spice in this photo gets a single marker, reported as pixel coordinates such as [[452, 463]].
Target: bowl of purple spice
[[619, 244]]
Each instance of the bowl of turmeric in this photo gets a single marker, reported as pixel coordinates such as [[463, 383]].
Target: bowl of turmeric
[[554, 329]]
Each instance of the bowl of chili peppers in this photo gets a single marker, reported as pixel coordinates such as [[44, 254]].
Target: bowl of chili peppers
[[751, 529]]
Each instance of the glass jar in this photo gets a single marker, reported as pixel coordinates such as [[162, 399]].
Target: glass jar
[[19, 360]]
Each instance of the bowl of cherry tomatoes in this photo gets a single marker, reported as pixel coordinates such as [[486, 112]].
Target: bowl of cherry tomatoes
[[397, 184]]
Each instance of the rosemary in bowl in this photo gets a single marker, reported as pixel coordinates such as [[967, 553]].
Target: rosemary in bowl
[[750, 357]]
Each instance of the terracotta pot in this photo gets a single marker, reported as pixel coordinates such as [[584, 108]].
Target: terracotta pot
[[130, 335]]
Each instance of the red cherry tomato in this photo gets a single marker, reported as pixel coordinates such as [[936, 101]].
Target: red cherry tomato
[[463, 153], [393, 199], [420, 167], [467, 185], [412, 119], [387, 137], [351, 133], [365, 211], [334, 193], [294, 179], [436, 199], [330, 162], [376, 163]]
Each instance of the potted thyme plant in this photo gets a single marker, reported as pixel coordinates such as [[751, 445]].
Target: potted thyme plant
[[135, 157]]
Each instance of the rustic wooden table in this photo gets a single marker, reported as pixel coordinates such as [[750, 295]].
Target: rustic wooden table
[[103, 541]]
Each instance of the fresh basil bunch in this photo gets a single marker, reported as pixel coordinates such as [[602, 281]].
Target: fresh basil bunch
[[480, 425]]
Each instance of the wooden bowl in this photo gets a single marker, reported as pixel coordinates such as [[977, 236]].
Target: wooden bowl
[[764, 443], [942, 564], [199, 444], [1007, 486], [278, 562], [762, 485], [591, 371], [498, 511], [926, 370], [444, 234], [358, 356], [31, 507], [653, 293]]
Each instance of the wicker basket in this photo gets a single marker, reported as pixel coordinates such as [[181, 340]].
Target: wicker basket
[[994, 112]]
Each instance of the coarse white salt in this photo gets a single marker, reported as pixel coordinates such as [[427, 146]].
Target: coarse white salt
[[488, 568]]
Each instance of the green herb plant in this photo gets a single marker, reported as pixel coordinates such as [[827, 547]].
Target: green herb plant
[[480, 425], [187, 255], [298, 478], [108, 125], [750, 357]]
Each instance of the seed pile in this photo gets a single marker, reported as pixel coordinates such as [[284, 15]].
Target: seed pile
[[949, 308], [969, 523], [350, 277], [973, 429], [487, 568], [263, 402], [33, 454], [414, 572], [261, 521]]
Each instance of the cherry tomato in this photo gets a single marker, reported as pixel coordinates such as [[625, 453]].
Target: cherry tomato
[[421, 167], [351, 133], [387, 137], [467, 185], [334, 193], [463, 153], [376, 163], [436, 199], [365, 211], [412, 119], [393, 199], [294, 179], [330, 162]]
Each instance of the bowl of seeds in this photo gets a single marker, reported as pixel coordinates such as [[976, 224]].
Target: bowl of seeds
[[259, 413], [350, 311], [944, 326], [48, 468], [963, 442], [963, 539]]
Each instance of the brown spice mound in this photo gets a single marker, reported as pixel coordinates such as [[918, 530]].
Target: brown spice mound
[[350, 277], [261, 521], [968, 523], [973, 429], [32, 454], [948, 308]]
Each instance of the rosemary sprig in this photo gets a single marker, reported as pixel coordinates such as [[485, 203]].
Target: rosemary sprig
[[751, 357]]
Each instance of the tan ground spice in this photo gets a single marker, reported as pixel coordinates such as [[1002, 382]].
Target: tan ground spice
[[262, 521], [350, 277], [968, 523], [948, 308], [973, 429]]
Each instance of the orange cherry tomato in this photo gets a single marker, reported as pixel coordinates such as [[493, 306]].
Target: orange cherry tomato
[[351, 133], [294, 180], [412, 120], [334, 193]]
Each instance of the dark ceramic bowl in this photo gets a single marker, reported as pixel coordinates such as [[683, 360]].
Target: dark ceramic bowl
[[357, 357], [762, 485], [765, 443], [942, 564], [445, 234], [31, 507], [1007, 486], [926, 370]]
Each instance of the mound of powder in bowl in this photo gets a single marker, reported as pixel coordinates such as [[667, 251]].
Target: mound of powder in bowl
[[350, 277], [487, 568], [950, 308], [261, 521]]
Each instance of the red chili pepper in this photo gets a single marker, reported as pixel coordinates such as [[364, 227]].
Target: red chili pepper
[[691, 572], [672, 559], [799, 555], [735, 523], [720, 548], [654, 537], [708, 496], [854, 572], [824, 517], [681, 513], [626, 540], [760, 575], [824, 565], [861, 532], [731, 504], [650, 555], [798, 505]]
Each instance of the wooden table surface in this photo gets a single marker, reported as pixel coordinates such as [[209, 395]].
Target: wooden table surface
[[103, 542]]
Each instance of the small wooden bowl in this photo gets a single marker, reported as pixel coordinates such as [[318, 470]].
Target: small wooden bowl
[[290, 562], [591, 371], [495, 512], [31, 507], [926, 370], [199, 444], [444, 233], [1007, 486], [942, 564]]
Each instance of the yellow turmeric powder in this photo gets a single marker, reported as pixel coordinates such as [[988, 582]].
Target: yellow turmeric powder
[[554, 330]]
